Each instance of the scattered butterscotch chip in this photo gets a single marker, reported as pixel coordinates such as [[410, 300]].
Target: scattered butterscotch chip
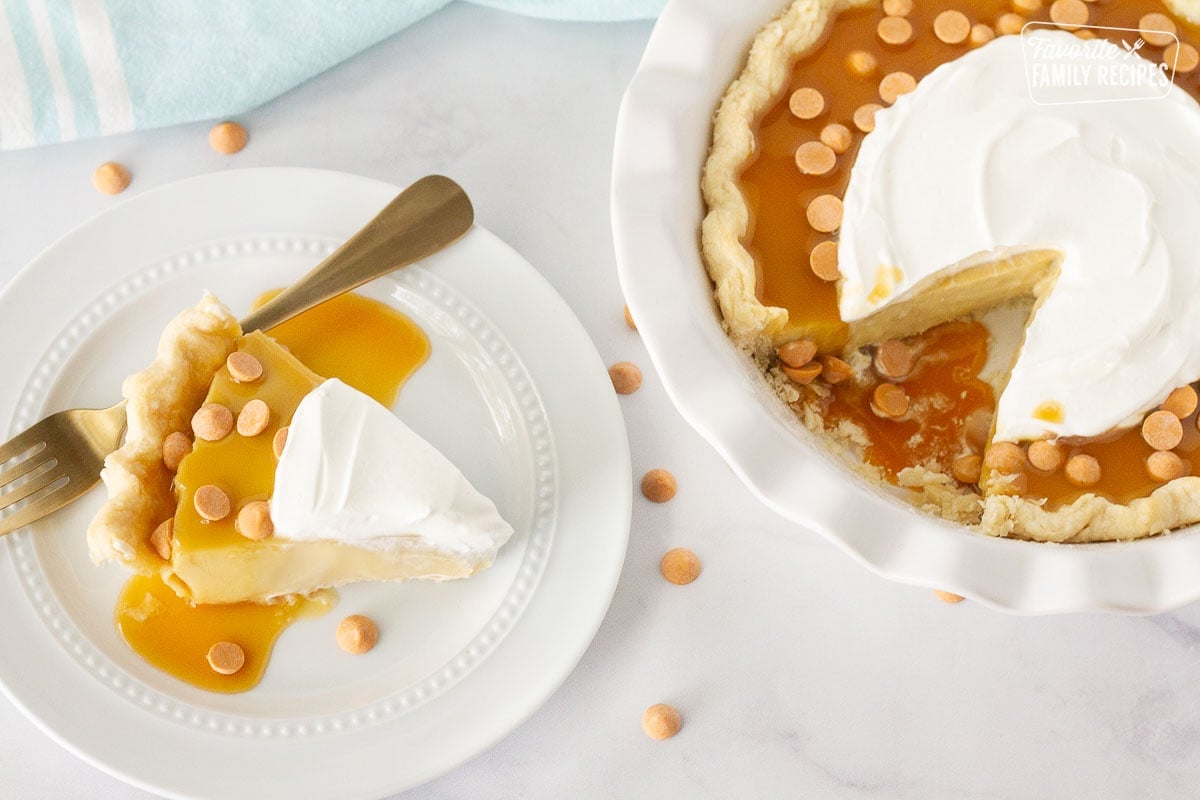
[[797, 353], [212, 422], [1164, 465], [1157, 29], [894, 359], [1082, 470], [175, 447], [814, 158], [802, 375], [977, 427], [243, 367], [357, 634], [1009, 24], [966, 469], [836, 137], [897, 8], [277, 444], [1182, 56], [980, 34], [111, 178], [948, 597], [162, 537], [228, 137], [861, 63], [824, 261], [895, 84], [254, 520], [1085, 33], [626, 377], [1026, 6], [1045, 455], [806, 103], [1007, 458], [226, 657], [1069, 14], [889, 400], [680, 566], [629, 319], [834, 370], [894, 30], [825, 213], [212, 503], [952, 27], [864, 116], [661, 721], [253, 418], [1181, 402], [658, 485], [1162, 430]]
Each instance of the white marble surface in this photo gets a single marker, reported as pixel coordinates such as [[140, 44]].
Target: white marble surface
[[798, 674]]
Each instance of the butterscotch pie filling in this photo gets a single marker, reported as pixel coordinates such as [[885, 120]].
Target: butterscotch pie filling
[[919, 407]]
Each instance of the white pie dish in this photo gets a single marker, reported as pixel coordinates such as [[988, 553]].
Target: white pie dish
[[663, 134]]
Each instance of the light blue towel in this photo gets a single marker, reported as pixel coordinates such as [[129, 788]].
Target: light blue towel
[[76, 68]]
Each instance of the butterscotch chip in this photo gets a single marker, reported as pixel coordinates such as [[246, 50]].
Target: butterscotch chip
[[280, 440], [825, 213], [357, 634], [1162, 430], [889, 400], [254, 520], [212, 503], [1069, 14], [952, 27], [162, 537], [680, 566], [226, 657], [253, 418], [212, 422], [1164, 465], [1181, 402], [1157, 29], [1026, 6], [824, 261], [661, 721], [243, 367], [894, 30], [980, 34], [1083, 470], [629, 319], [894, 359], [836, 137], [864, 116], [1045, 455], [966, 469], [895, 84], [228, 137], [1007, 458], [1009, 24], [111, 178], [1085, 33], [626, 377], [948, 597], [806, 103], [658, 485], [1182, 56], [861, 63], [834, 370], [977, 427], [814, 158], [897, 8], [802, 375], [797, 353], [175, 447]]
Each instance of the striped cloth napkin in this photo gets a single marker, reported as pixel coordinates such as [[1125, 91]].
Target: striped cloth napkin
[[70, 69]]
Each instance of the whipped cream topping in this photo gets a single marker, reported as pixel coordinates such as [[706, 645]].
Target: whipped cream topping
[[351, 471], [967, 169]]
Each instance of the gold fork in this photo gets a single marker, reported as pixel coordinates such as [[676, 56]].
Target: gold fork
[[60, 458]]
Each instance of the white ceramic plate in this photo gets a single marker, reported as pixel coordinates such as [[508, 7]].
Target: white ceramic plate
[[514, 393], [698, 47]]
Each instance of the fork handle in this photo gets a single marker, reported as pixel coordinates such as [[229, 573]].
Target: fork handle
[[424, 218]]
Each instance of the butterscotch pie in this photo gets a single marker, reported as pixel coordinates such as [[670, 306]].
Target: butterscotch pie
[[977, 286]]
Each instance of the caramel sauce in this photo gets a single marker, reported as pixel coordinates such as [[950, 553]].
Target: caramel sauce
[[368, 346]]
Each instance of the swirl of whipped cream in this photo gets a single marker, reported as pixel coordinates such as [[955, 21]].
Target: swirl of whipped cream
[[968, 169]]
